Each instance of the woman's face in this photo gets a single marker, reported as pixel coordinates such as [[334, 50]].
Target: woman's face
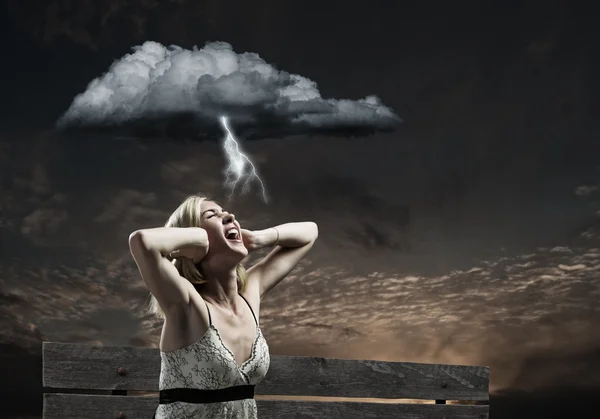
[[223, 230]]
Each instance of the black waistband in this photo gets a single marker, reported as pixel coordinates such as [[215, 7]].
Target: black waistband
[[194, 395]]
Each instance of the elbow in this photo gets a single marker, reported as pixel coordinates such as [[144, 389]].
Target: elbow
[[314, 230], [137, 241]]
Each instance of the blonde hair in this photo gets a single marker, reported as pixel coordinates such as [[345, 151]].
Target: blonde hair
[[188, 215]]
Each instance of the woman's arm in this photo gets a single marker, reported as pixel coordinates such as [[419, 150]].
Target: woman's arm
[[287, 235], [166, 240], [150, 249], [293, 240]]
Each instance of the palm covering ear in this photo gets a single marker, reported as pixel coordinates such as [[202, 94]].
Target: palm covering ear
[[249, 239]]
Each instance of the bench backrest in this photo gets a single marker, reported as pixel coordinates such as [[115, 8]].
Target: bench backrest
[[109, 374]]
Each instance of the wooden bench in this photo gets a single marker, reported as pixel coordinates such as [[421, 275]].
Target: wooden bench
[[93, 382]]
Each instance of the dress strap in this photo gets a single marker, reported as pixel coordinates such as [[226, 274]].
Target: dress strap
[[209, 318], [252, 311]]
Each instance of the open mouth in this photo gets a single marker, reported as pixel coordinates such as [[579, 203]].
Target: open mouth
[[232, 234]]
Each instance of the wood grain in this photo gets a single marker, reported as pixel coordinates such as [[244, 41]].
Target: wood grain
[[72, 406], [77, 366]]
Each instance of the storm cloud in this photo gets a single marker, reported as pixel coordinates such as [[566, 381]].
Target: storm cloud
[[172, 93]]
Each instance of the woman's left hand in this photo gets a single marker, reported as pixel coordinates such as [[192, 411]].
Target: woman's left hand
[[250, 240]]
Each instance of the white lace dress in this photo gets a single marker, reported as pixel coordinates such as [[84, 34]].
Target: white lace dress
[[208, 364]]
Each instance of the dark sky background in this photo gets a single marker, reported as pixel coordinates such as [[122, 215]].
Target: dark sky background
[[469, 235]]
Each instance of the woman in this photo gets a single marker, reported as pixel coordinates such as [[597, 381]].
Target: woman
[[212, 350]]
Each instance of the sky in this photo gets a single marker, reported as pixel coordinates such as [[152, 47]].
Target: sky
[[469, 234]]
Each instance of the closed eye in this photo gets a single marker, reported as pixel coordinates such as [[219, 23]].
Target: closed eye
[[212, 213]]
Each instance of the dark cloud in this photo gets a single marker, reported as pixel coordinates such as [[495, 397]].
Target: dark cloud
[[166, 93], [377, 237], [11, 299]]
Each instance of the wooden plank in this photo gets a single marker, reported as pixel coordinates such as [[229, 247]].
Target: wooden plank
[[294, 409], [67, 365], [76, 406], [84, 406], [298, 376], [96, 367]]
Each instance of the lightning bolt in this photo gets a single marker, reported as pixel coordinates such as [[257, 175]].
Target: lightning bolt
[[240, 167]]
